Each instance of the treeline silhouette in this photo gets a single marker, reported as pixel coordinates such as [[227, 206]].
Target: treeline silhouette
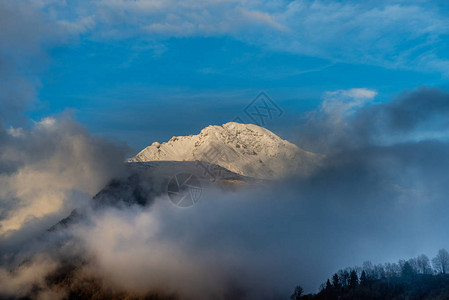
[[416, 278]]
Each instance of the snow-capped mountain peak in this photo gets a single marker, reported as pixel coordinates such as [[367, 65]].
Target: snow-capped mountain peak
[[245, 149]]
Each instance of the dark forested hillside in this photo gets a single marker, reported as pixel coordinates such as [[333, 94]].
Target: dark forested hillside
[[416, 278]]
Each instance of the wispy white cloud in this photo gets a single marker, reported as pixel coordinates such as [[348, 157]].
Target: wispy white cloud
[[389, 34], [337, 105], [180, 18], [394, 34]]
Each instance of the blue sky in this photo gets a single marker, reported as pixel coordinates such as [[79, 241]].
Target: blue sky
[[143, 71]]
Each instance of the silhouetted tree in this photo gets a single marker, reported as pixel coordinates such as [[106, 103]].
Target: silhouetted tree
[[379, 271], [392, 270], [441, 261], [407, 279], [401, 263], [369, 270], [363, 280], [336, 281], [414, 264], [297, 293], [353, 279], [423, 265], [343, 276], [407, 271], [328, 285]]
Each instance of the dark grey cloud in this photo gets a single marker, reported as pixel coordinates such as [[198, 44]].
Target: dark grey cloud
[[411, 111], [418, 114]]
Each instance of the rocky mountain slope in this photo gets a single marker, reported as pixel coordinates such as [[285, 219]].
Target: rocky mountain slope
[[245, 149]]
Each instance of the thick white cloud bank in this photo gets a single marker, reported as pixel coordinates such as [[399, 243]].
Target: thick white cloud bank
[[48, 170]]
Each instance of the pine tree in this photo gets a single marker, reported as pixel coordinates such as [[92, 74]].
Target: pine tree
[[353, 280], [335, 281], [363, 280], [407, 272], [328, 285]]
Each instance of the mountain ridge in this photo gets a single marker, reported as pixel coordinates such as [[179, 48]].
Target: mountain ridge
[[245, 149]]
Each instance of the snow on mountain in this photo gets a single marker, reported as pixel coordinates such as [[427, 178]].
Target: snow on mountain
[[245, 149]]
